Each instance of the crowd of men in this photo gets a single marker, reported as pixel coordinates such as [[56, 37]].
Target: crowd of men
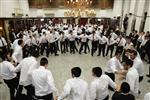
[[20, 68]]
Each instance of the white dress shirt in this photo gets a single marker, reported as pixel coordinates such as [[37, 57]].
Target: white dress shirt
[[94, 37], [114, 35], [139, 66], [43, 81], [17, 55], [83, 37], [15, 43], [132, 79], [102, 40], [7, 70], [75, 89], [3, 42], [62, 38], [26, 67], [52, 38], [43, 39], [99, 87], [121, 41], [147, 96], [72, 37], [110, 41], [113, 65]]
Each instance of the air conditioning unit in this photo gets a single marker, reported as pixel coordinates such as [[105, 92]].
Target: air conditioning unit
[[49, 15]]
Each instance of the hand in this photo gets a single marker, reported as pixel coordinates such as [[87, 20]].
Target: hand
[[56, 98]]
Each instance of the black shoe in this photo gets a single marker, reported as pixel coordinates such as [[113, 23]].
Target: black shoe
[[56, 54], [139, 92], [148, 81], [148, 75]]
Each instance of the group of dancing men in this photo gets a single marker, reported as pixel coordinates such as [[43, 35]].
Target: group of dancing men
[[20, 68]]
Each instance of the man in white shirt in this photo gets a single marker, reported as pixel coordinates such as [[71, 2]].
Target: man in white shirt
[[94, 41], [75, 88], [120, 43], [72, 42], [147, 96], [44, 43], [99, 86], [102, 44], [114, 67], [84, 44], [43, 81], [26, 67], [132, 77], [9, 76], [18, 52], [52, 38], [137, 64], [110, 45], [62, 40], [15, 43], [3, 45]]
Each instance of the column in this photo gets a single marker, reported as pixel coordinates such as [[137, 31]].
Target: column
[[140, 13], [147, 23], [24, 6], [132, 10], [117, 10]]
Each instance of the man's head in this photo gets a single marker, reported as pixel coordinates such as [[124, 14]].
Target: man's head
[[133, 54], [20, 43], [118, 54], [76, 72], [44, 62], [97, 72], [125, 87], [128, 64]]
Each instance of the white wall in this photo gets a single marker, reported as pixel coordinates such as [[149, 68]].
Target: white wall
[[147, 24], [7, 7]]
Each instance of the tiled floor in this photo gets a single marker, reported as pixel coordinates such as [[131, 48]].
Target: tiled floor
[[61, 65]]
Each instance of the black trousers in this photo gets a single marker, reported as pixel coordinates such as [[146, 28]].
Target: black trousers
[[46, 97], [44, 46], [119, 49], [111, 48], [140, 78], [63, 46], [30, 92], [112, 76], [101, 49], [3, 51], [12, 85], [94, 47], [83, 44], [148, 55], [73, 47], [52, 49], [67, 44], [106, 98]]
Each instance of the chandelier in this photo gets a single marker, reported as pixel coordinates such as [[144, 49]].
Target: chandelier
[[79, 8]]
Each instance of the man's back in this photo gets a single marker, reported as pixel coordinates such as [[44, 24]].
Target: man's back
[[75, 89], [26, 67]]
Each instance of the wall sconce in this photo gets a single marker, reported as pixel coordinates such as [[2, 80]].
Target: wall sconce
[[1, 28]]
